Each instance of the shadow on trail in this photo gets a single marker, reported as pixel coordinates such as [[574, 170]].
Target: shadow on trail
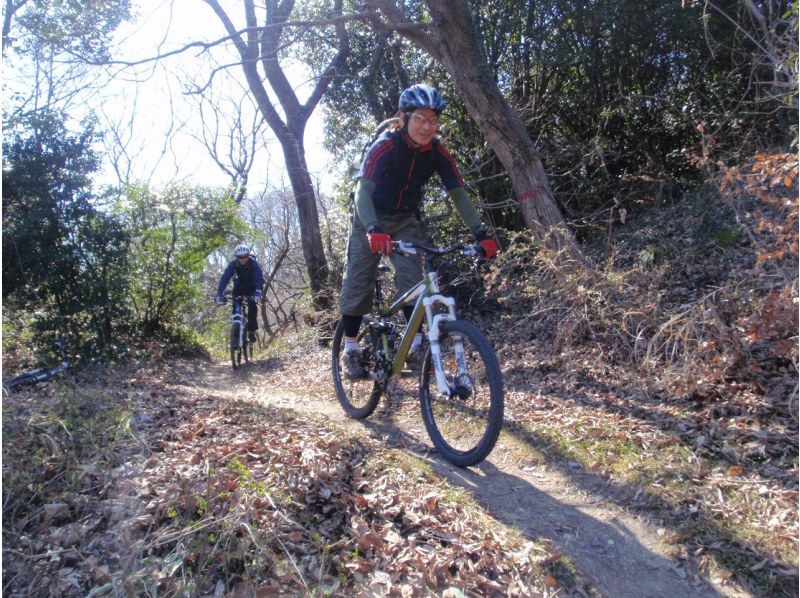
[[611, 557], [607, 553], [537, 512], [748, 558]]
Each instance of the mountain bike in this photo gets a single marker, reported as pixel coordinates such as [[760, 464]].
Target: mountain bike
[[241, 347], [460, 383], [40, 374]]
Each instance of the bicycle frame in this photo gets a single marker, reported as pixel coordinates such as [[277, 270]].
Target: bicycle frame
[[41, 374], [426, 295], [460, 383]]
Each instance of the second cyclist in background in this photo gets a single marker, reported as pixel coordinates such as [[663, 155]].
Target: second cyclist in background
[[248, 280]]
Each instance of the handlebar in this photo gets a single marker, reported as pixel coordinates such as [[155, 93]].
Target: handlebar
[[409, 248], [227, 295]]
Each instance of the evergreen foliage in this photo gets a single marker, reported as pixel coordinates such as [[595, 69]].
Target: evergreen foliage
[[172, 232], [621, 98], [100, 276], [81, 28], [64, 260]]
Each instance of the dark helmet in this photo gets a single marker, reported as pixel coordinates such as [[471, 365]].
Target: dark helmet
[[421, 96]]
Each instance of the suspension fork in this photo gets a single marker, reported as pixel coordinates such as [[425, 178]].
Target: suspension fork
[[238, 317], [434, 322]]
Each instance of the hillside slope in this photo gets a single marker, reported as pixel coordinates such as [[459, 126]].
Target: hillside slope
[[650, 442]]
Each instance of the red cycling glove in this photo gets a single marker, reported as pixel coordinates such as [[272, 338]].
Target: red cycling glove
[[489, 245], [490, 248], [379, 241]]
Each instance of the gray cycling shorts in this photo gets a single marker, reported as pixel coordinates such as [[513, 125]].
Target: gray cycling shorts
[[362, 265]]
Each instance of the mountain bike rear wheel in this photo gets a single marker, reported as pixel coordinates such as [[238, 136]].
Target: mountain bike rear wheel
[[236, 350], [358, 398], [23, 380], [465, 422]]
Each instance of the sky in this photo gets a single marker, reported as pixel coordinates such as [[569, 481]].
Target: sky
[[153, 97]]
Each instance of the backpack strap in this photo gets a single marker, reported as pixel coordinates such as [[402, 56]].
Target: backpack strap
[[377, 133]]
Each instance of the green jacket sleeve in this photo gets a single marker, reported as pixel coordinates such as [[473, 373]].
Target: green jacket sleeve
[[465, 208], [364, 206]]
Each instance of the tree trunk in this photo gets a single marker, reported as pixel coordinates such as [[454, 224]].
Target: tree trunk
[[259, 46], [462, 57], [308, 215]]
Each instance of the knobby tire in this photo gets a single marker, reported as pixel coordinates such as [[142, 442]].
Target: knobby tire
[[236, 351], [358, 398], [464, 429]]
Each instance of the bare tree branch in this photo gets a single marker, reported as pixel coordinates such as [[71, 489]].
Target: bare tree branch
[[334, 66], [268, 41], [419, 34], [10, 9], [367, 80], [233, 35], [402, 75], [240, 133]]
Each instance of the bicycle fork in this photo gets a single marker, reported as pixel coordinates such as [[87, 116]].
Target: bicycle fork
[[238, 317], [434, 321]]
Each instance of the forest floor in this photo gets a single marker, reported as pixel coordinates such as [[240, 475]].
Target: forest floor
[[649, 447], [184, 475]]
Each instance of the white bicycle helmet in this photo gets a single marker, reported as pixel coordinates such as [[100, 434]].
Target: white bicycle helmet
[[241, 250]]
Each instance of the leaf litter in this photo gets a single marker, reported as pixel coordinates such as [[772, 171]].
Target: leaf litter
[[202, 494], [670, 371]]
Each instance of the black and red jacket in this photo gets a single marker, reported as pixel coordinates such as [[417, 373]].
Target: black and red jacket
[[400, 171]]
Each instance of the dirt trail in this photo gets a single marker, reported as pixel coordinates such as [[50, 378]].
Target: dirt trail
[[616, 553]]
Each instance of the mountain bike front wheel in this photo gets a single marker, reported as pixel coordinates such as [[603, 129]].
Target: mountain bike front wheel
[[236, 350], [463, 423], [360, 397]]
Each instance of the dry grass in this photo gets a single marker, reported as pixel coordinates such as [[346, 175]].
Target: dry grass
[[672, 366]]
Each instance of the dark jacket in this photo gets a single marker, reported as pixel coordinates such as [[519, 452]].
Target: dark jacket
[[249, 278], [401, 171]]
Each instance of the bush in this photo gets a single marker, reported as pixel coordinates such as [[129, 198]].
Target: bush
[[65, 261]]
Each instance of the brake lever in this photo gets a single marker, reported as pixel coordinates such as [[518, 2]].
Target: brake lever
[[475, 251], [404, 248]]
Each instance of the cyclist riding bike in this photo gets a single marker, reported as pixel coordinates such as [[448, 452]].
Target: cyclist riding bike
[[248, 280], [388, 200]]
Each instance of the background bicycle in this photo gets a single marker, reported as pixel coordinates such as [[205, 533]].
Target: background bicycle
[[241, 343], [40, 374], [459, 379]]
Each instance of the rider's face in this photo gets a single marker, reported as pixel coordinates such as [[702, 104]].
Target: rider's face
[[242, 258], [422, 125]]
